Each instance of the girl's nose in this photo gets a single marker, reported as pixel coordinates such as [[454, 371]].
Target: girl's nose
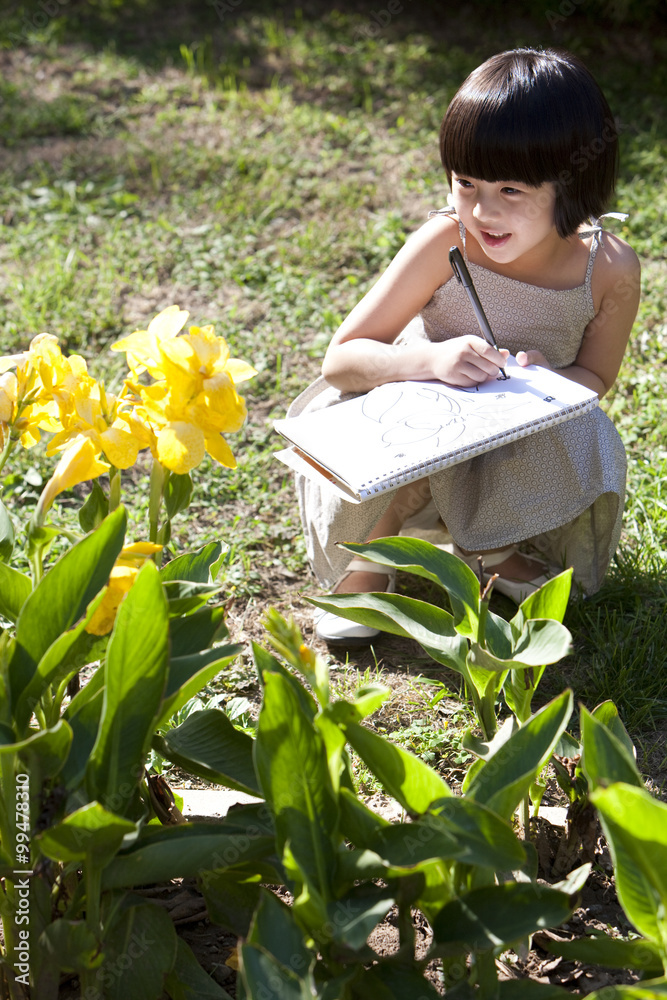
[[485, 209]]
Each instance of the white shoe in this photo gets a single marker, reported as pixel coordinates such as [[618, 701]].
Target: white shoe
[[518, 590], [338, 631]]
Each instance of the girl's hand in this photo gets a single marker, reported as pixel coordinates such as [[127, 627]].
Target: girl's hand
[[533, 358], [466, 361]]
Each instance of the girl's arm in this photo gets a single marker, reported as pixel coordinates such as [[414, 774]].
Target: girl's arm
[[362, 354], [616, 280]]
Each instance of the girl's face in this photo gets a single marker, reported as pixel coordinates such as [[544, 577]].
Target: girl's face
[[507, 218]]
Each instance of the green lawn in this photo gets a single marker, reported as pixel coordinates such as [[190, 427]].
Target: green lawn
[[260, 170]]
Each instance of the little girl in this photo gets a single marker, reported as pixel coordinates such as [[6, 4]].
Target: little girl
[[529, 147]]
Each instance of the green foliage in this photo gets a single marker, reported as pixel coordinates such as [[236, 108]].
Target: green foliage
[[88, 758], [491, 655]]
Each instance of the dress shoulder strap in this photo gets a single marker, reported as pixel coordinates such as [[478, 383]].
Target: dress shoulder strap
[[595, 229], [450, 210]]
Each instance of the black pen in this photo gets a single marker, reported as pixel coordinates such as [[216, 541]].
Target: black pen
[[463, 277]]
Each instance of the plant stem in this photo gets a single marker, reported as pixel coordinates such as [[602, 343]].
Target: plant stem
[[157, 484], [6, 451], [524, 817], [114, 488]]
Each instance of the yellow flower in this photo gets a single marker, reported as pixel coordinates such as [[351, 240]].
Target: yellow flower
[[7, 397], [122, 577], [77, 464], [193, 399], [143, 346], [86, 409], [29, 390]]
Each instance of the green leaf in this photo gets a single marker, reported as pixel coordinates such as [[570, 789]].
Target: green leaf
[[358, 822], [192, 566], [65, 591], [140, 950], [15, 589], [275, 930], [612, 952], [177, 496], [365, 701], [91, 833], [386, 981], [135, 679], [184, 597], [656, 989], [607, 714], [498, 915], [84, 723], [550, 601], [415, 555], [70, 946], [189, 674], [95, 509], [231, 897], [483, 837], [45, 749], [407, 778], [209, 745], [429, 625], [64, 657], [605, 759], [635, 825], [528, 989], [455, 830], [357, 913], [188, 981], [291, 764], [7, 535], [264, 976], [503, 780], [266, 663], [197, 631], [162, 853]]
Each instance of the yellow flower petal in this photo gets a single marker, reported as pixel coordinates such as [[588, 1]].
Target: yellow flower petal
[[12, 361], [180, 446], [168, 322], [7, 397], [143, 549], [119, 446], [77, 464], [239, 371], [218, 449], [120, 582]]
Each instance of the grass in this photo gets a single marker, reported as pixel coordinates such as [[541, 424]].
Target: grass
[[260, 172]]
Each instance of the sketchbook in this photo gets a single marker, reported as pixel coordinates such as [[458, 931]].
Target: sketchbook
[[403, 431]]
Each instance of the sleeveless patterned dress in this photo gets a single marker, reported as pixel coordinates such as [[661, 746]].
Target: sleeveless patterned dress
[[560, 491]]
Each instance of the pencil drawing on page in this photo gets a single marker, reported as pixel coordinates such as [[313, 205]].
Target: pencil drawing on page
[[434, 415]]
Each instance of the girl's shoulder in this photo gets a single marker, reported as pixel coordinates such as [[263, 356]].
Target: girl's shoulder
[[441, 228], [614, 254], [615, 262]]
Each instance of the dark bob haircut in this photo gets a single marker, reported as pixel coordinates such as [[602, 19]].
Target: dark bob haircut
[[534, 116]]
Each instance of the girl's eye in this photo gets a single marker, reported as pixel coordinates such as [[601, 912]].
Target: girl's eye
[[511, 190], [462, 182]]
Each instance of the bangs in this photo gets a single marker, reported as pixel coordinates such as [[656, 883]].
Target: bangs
[[516, 139]]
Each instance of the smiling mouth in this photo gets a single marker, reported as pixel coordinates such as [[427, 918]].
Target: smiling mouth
[[494, 239]]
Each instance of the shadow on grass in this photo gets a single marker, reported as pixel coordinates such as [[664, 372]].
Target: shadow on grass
[[620, 643]]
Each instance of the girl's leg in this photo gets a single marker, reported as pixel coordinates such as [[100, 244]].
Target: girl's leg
[[516, 567], [408, 500]]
